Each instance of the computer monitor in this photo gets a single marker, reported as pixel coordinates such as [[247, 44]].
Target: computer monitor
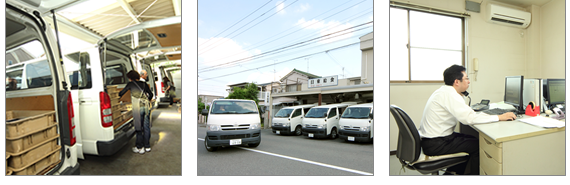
[[514, 92], [555, 91]]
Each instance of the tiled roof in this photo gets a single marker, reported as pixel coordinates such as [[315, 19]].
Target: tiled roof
[[301, 72]]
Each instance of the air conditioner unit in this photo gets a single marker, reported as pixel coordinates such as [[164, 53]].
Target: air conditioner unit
[[507, 16]]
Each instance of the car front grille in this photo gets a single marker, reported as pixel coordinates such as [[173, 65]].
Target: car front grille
[[235, 127]]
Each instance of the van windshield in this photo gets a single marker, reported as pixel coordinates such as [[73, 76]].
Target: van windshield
[[234, 107], [317, 113], [283, 113], [356, 112]]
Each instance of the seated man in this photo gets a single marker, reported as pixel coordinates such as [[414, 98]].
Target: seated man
[[445, 107]]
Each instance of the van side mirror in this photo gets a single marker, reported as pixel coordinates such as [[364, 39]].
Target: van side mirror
[[205, 112], [325, 115], [371, 115], [155, 78]]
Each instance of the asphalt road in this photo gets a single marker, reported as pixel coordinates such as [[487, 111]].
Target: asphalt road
[[281, 155]]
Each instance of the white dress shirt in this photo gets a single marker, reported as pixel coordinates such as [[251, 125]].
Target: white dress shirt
[[444, 108]]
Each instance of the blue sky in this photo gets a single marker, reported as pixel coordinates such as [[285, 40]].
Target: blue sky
[[248, 44]]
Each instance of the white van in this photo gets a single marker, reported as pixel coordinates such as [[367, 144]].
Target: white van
[[288, 120], [40, 128], [232, 122], [357, 123], [322, 121], [105, 126]]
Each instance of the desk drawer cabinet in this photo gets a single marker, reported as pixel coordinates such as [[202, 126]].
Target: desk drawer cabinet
[[490, 156]]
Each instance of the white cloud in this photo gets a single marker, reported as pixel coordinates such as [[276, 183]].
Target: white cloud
[[303, 7], [225, 50], [327, 28], [280, 8], [267, 75]]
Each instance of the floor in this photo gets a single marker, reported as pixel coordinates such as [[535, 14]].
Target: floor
[[164, 159], [396, 168]]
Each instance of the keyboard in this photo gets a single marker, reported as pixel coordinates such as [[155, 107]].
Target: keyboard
[[497, 111]]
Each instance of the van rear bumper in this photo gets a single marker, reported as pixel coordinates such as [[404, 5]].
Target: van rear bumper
[[107, 148], [222, 138], [71, 170], [360, 136], [317, 132]]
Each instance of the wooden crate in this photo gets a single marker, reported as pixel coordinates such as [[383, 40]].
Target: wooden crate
[[3, 160], [126, 97], [112, 89], [30, 156], [22, 143], [27, 122], [7, 157], [38, 165]]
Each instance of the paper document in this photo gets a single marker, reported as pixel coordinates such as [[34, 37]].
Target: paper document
[[544, 122]]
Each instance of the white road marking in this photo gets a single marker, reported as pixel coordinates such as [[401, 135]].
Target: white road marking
[[304, 160]]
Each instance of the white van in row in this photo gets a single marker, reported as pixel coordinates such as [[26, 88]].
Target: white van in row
[[322, 121], [289, 120], [94, 69], [232, 122], [38, 98], [357, 123]]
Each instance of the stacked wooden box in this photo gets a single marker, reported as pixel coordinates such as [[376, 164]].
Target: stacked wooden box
[[119, 105], [31, 141]]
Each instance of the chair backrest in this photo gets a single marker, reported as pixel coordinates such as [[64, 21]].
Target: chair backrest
[[409, 146]]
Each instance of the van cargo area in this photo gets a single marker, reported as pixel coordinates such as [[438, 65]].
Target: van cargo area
[[121, 107], [32, 140]]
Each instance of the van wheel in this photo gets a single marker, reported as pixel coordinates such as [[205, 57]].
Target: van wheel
[[210, 149], [333, 134], [298, 131]]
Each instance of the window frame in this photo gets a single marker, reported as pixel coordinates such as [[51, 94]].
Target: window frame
[[463, 46]]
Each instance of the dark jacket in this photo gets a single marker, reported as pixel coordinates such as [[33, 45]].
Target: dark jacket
[[135, 90]]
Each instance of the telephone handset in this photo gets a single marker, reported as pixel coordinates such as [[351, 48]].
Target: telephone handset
[[465, 93]]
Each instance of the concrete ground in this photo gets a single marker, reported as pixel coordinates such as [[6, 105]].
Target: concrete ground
[[164, 159]]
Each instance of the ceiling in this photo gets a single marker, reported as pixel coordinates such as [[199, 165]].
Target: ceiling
[[524, 3]]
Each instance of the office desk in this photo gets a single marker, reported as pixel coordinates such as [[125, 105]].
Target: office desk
[[518, 148]]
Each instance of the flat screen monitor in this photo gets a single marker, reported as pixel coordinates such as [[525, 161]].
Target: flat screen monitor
[[514, 92], [556, 91]]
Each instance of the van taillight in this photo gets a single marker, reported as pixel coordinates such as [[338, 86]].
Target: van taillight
[[70, 116], [106, 112], [162, 85]]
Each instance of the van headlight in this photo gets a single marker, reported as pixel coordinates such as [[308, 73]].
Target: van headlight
[[365, 128], [323, 126], [254, 126], [213, 127], [286, 124]]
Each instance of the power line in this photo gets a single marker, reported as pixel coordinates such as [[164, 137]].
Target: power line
[[296, 30], [282, 48], [236, 23], [251, 26], [285, 60]]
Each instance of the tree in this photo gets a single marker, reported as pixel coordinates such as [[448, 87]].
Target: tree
[[249, 92], [201, 106]]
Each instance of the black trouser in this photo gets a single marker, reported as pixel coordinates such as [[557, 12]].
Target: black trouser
[[455, 143]]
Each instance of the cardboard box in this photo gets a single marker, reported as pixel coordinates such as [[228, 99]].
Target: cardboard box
[[38, 165], [7, 157], [28, 122], [126, 97], [22, 143], [31, 155], [112, 89], [3, 160]]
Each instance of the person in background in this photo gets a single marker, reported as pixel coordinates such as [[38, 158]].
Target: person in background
[[170, 90], [140, 97], [144, 76]]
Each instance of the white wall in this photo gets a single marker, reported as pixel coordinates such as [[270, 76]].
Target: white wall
[[501, 50]]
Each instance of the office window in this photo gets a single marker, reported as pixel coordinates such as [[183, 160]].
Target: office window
[[423, 45]]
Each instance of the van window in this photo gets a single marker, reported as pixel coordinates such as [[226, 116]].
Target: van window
[[79, 70], [297, 113], [116, 74], [283, 113], [234, 107], [14, 79], [356, 112], [38, 74], [317, 113], [332, 112]]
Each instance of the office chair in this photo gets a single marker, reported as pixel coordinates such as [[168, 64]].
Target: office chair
[[409, 148]]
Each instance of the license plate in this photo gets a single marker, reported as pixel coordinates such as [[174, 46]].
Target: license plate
[[278, 132], [311, 135], [235, 141], [350, 138]]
